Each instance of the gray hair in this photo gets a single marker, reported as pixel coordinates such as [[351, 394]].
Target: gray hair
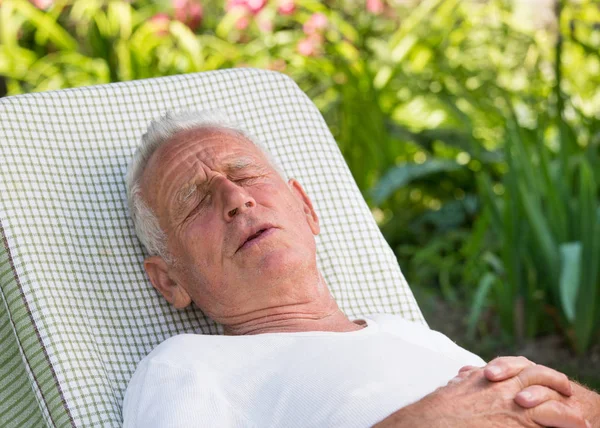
[[159, 132]]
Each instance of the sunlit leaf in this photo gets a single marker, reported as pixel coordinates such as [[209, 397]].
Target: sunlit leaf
[[188, 42], [570, 263], [57, 34]]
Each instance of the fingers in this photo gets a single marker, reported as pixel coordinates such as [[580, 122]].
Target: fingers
[[527, 373], [503, 368], [559, 415], [463, 373], [545, 376], [535, 395]]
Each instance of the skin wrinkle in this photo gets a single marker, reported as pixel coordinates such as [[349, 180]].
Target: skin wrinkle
[[186, 192], [193, 163], [273, 284]]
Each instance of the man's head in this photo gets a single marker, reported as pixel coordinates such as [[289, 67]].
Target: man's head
[[223, 227]]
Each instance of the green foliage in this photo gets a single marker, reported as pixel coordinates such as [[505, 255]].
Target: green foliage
[[472, 133], [547, 223]]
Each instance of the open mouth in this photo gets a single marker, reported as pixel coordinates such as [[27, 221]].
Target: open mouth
[[256, 237]]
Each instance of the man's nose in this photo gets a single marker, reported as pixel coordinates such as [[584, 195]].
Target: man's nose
[[236, 200]]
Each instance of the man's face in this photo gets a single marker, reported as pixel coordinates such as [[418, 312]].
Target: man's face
[[237, 232]]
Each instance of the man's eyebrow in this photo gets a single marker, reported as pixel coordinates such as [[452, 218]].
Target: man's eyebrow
[[239, 163], [187, 191], [182, 196]]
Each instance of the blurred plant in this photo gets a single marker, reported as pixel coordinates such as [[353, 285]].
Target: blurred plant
[[415, 92], [548, 223], [189, 12]]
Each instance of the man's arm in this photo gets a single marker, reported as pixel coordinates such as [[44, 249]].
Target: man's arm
[[470, 400]]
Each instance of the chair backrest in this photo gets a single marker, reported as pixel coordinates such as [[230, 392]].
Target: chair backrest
[[77, 312]]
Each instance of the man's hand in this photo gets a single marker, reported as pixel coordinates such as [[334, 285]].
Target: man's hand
[[504, 368], [470, 400]]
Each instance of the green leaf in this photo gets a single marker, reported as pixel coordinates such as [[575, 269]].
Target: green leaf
[[570, 263], [15, 62], [452, 137], [541, 233], [348, 51], [227, 24], [188, 43], [119, 14], [451, 215], [400, 175], [557, 207], [588, 289], [483, 289], [484, 185], [55, 33]]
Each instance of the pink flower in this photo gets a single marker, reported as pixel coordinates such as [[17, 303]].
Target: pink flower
[[286, 7], [255, 6], [311, 45], [315, 24], [42, 4], [306, 47], [189, 12], [160, 23], [375, 6], [231, 4], [242, 23], [265, 24], [252, 6]]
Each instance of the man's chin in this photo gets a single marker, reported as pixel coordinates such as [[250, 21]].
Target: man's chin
[[274, 262]]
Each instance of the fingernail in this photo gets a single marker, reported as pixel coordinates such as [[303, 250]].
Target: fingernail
[[495, 370], [526, 395]]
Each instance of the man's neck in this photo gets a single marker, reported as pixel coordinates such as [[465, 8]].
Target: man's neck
[[303, 308], [291, 322]]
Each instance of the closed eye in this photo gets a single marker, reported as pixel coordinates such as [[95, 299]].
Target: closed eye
[[199, 206], [247, 180]]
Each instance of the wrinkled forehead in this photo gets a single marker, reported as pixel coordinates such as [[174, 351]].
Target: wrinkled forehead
[[187, 150], [206, 143], [208, 146]]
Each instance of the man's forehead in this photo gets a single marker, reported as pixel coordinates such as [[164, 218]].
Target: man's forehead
[[214, 140], [207, 145], [185, 152]]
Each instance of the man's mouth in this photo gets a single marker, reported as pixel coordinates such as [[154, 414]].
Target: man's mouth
[[257, 236]]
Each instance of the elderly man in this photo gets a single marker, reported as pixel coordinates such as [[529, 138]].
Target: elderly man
[[226, 231]]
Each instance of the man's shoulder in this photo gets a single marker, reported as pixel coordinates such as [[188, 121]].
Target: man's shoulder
[[174, 343], [179, 349], [393, 323]]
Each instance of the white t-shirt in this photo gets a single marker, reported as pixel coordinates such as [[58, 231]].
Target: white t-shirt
[[304, 379]]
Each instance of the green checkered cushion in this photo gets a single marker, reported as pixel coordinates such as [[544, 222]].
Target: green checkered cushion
[[77, 312]]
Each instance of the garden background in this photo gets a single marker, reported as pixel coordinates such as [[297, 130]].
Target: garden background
[[472, 128]]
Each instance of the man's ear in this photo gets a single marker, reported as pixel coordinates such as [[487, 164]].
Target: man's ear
[[158, 272], [309, 211]]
